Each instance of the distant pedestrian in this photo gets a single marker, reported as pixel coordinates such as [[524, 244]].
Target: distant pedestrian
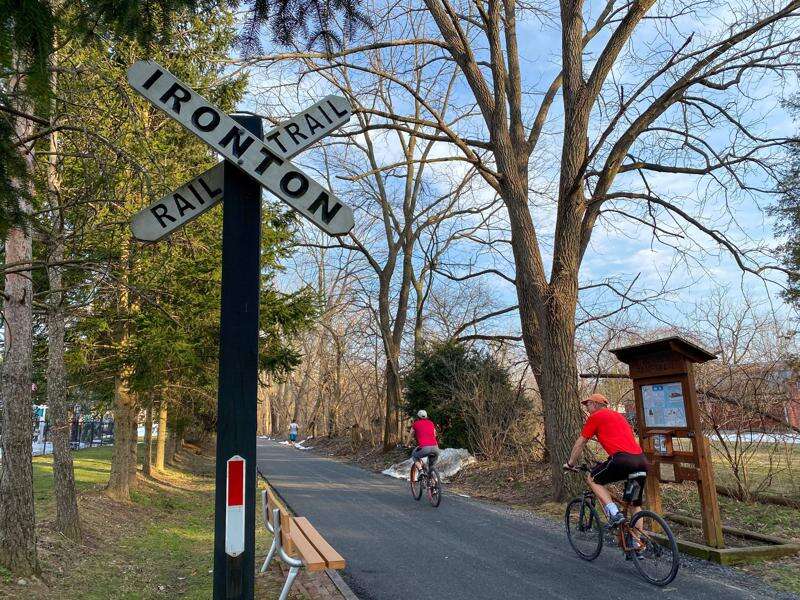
[[293, 427]]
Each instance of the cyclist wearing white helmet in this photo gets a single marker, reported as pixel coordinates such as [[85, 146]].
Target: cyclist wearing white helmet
[[423, 433]]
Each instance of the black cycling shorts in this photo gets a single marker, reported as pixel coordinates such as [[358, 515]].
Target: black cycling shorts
[[618, 467]]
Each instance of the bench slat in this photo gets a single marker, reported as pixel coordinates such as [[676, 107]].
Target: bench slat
[[287, 540], [333, 559], [272, 502], [312, 558]]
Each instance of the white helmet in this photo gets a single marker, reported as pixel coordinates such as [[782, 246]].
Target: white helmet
[[422, 414]]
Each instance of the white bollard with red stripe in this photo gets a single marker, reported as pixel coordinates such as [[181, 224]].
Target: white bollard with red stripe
[[234, 506]]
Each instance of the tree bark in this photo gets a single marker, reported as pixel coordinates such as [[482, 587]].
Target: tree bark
[[119, 482], [393, 396], [134, 444], [67, 518], [148, 440], [162, 435], [123, 459], [173, 442], [265, 393], [17, 518]]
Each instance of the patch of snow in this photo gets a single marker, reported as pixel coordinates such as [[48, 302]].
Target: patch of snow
[[450, 462], [301, 445], [757, 437]]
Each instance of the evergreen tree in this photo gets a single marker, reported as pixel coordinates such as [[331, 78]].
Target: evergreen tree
[[443, 378], [787, 211]]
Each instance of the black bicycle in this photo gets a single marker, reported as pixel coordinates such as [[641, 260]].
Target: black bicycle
[[428, 480], [646, 539]]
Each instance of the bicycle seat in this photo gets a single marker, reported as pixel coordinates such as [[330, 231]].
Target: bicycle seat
[[637, 475]]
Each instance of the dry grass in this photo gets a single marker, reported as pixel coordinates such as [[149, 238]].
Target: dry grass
[[160, 545]]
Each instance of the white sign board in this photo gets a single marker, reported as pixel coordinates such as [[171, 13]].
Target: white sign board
[[663, 405], [260, 160], [192, 199]]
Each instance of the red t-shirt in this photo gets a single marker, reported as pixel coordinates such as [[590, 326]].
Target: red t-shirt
[[613, 432], [425, 432]]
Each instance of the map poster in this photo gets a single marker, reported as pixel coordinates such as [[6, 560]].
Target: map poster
[[664, 405]]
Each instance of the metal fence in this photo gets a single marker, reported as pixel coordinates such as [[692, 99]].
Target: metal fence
[[84, 433]]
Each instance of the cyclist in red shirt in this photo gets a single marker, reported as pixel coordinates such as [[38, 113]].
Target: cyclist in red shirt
[[624, 453], [423, 432]]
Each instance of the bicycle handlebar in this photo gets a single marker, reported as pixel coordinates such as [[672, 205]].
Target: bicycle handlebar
[[579, 468]]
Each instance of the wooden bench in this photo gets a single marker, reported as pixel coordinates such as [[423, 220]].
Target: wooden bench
[[296, 542]]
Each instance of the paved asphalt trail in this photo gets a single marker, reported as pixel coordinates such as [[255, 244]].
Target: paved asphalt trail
[[397, 548]]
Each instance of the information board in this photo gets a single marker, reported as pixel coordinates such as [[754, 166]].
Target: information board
[[664, 405]]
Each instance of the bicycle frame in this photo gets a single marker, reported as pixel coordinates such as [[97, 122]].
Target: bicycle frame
[[591, 500]]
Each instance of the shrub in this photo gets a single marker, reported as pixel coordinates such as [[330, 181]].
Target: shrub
[[468, 394]]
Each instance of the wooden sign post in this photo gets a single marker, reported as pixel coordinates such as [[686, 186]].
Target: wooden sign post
[[666, 410]]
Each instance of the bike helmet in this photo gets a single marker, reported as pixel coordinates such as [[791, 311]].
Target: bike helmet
[[421, 414]]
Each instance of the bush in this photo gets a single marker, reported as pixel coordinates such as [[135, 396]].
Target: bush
[[469, 396]]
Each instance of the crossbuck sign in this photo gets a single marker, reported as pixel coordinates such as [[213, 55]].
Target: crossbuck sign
[[251, 164], [265, 161]]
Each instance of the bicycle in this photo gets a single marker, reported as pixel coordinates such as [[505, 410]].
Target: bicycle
[[655, 556], [426, 479]]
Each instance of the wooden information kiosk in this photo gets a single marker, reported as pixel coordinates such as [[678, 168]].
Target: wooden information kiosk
[[668, 422]]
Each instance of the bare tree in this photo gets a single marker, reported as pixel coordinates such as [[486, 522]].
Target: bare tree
[[405, 185], [636, 102], [745, 392]]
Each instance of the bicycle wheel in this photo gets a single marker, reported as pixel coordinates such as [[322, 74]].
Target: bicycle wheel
[[434, 489], [418, 485], [584, 529], [658, 560]]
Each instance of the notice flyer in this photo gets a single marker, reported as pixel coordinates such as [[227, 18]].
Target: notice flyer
[[664, 405]]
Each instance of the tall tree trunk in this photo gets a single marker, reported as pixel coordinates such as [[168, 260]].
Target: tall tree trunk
[[123, 459], [265, 393], [393, 395], [547, 317], [134, 444], [67, 518], [173, 441], [336, 402], [558, 384], [17, 518], [119, 482], [148, 440], [162, 435]]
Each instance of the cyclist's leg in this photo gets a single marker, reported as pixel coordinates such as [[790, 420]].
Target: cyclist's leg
[[597, 480], [433, 455], [599, 490], [427, 451], [636, 503], [600, 476], [416, 466]]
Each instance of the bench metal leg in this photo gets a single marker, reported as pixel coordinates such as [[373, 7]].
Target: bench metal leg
[[293, 571], [272, 550]]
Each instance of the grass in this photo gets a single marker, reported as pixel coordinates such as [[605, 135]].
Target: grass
[[160, 545], [775, 466]]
